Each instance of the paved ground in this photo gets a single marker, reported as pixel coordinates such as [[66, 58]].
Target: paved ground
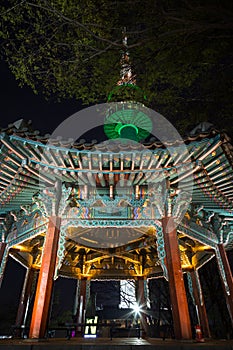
[[115, 344]]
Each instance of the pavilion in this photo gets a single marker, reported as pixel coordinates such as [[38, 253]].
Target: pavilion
[[120, 210]]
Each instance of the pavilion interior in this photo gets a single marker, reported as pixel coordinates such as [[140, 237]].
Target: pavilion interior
[[136, 258]]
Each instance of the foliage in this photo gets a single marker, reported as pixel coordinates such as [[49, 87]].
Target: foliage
[[57, 46], [181, 51]]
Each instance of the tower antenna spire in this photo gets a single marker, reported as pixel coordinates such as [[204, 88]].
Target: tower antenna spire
[[127, 119], [127, 77]]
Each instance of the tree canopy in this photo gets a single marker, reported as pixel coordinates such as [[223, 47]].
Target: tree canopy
[[181, 52]]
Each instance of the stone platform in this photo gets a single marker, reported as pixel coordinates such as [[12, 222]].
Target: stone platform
[[114, 344]]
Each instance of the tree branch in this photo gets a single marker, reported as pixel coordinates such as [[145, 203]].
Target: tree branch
[[116, 43]]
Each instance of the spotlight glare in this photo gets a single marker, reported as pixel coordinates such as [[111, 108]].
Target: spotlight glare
[[136, 309]]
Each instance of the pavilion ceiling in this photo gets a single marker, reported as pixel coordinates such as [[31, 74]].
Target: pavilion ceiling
[[127, 261]]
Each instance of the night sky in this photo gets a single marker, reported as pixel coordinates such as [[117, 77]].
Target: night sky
[[17, 103], [21, 103]]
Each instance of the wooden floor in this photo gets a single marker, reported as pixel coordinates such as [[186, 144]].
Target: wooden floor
[[114, 344]]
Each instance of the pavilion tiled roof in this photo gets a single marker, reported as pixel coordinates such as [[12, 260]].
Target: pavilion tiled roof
[[24, 152], [24, 129]]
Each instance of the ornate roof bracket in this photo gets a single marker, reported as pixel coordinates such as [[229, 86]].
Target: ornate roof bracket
[[198, 232], [53, 200], [219, 224]]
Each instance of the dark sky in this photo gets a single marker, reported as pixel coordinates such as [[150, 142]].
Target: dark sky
[[21, 103], [17, 103]]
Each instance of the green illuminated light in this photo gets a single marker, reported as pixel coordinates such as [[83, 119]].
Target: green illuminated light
[[129, 123], [119, 129]]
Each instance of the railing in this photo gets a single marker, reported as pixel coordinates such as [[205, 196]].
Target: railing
[[85, 330]]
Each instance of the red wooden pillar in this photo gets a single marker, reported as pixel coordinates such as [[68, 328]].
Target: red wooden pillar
[[2, 251], [199, 301], [180, 312], [25, 296], [81, 304], [228, 292], [140, 292], [45, 281], [141, 300]]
